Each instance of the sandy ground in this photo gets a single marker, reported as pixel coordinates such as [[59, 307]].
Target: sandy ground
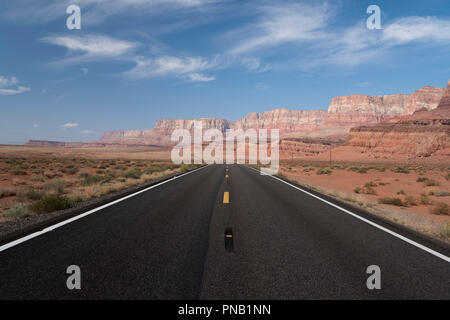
[[382, 181], [143, 153], [28, 174]]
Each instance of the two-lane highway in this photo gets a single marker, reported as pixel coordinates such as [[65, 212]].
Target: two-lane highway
[[170, 243]]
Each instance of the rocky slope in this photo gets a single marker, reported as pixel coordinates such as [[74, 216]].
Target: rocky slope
[[412, 139], [307, 147], [424, 134]]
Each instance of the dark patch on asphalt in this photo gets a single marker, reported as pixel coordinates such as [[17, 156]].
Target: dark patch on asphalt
[[229, 239]]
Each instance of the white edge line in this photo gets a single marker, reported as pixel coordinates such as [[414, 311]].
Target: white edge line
[[412, 242], [82, 215]]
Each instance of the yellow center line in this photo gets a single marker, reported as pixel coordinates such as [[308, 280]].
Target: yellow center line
[[226, 197], [228, 236]]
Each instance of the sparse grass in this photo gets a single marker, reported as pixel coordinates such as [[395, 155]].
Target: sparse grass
[[439, 193], [410, 201], [18, 172], [187, 167], [51, 203], [322, 171], [425, 200], [392, 201], [441, 209], [401, 170], [36, 178], [362, 170], [56, 187], [91, 180], [133, 174], [18, 211], [367, 189], [33, 194], [431, 183]]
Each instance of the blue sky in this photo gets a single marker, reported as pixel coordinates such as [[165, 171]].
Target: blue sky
[[136, 61]]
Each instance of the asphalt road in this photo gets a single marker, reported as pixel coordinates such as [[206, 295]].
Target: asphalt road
[[170, 243]]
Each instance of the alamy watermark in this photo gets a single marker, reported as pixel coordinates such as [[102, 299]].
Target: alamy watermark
[[236, 146], [374, 21], [73, 22]]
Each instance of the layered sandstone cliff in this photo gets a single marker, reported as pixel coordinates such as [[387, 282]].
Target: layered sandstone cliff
[[283, 119], [356, 110], [413, 139]]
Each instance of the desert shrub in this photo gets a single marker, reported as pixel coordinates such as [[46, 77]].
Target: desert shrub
[[91, 180], [7, 193], [401, 192], [447, 177], [431, 183], [424, 199], [421, 179], [153, 169], [37, 178], [33, 194], [51, 203], [410, 201], [16, 212], [308, 169], [392, 201], [18, 172], [362, 170], [439, 193], [324, 171], [187, 167], [83, 175], [133, 174], [370, 185], [70, 169], [441, 209], [367, 189], [56, 187], [401, 170]]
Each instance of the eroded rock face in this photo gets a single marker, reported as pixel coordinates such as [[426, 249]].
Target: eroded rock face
[[167, 126], [283, 119], [308, 147], [357, 110], [414, 138]]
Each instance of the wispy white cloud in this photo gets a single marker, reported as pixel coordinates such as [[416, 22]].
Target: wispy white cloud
[[91, 47], [87, 131], [69, 125], [95, 11], [6, 83], [85, 71], [410, 29], [171, 66], [199, 77], [279, 25]]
